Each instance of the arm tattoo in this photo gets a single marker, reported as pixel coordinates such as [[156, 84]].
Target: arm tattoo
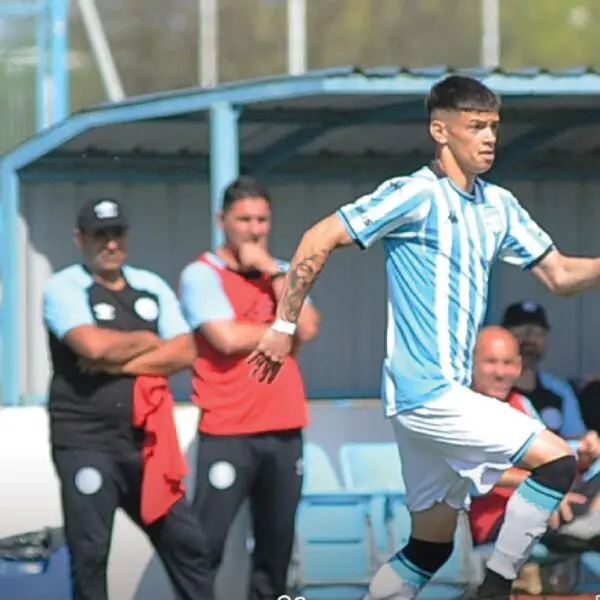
[[299, 281]]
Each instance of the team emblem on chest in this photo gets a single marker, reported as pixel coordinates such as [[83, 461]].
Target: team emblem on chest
[[492, 219], [146, 308], [104, 312]]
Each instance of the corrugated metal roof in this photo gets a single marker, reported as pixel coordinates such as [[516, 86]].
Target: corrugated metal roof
[[390, 72], [349, 111]]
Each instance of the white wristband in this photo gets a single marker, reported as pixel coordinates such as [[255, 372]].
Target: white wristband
[[284, 327]]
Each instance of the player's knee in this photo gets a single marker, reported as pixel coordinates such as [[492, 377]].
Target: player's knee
[[428, 556], [557, 474]]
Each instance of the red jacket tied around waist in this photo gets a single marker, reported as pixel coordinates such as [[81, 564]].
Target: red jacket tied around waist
[[164, 466]]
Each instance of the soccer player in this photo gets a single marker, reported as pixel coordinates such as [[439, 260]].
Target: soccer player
[[442, 228], [109, 323]]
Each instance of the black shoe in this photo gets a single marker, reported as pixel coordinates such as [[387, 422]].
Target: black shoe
[[480, 594], [494, 587]]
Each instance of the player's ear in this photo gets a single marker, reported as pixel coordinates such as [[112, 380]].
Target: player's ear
[[221, 219], [438, 131], [78, 239]]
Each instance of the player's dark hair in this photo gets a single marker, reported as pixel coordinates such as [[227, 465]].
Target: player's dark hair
[[244, 187], [458, 93]]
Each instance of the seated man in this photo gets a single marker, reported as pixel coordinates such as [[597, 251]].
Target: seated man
[[553, 398], [576, 525]]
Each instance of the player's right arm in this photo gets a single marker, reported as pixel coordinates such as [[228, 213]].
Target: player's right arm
[[398, 206], [68, 316], [208, 310]]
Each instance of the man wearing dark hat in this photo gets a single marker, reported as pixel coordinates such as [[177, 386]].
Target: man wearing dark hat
[[108, 325], [552, 397]]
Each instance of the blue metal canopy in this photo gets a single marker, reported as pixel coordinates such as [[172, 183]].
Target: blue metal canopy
[[358, 119]]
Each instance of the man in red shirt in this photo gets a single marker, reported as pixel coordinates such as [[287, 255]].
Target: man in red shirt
[[496, 368], [251, 434]]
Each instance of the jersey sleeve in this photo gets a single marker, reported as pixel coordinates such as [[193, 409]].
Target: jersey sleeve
[[202, 296], [398, 206], [171, 321], [573, 425], [525, 242], [65, 306]]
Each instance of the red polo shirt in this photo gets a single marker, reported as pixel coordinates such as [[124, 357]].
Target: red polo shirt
[[233, 402]]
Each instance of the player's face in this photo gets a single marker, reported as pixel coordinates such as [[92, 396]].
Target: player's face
[[247, 220], [105, 250], [532, 341], [496, 367], [472, 138]]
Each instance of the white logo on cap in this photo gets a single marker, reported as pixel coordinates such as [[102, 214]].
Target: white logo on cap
[[106, 209], [529, 306]]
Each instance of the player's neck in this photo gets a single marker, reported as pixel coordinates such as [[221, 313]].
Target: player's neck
[[112, 280], [448, 165]]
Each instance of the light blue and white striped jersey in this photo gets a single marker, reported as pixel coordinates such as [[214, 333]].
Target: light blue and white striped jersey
[[440, 244]]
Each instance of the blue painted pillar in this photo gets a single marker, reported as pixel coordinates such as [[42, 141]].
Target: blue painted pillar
[[42, 79], [9, 257], [52, 73], [59, 64], [224, 159]]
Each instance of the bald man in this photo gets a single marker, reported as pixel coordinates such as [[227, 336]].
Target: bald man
[[497, 365]]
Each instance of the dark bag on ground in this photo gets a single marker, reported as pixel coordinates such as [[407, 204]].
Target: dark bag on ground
[[35, 565]]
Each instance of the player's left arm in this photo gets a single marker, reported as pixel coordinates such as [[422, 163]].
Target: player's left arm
[[178, 351], [528, 246], [568, 275]]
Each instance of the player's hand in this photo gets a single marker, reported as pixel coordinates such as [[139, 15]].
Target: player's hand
[[255, 256], [269, 355], [589, 448], [565, 512]]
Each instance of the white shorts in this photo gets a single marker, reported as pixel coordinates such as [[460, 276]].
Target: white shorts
[[459, 441]]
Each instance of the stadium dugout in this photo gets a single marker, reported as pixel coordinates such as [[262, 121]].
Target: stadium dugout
[[318, 140]]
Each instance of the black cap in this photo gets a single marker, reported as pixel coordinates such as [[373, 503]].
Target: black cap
[[101, 213], [525, 313]]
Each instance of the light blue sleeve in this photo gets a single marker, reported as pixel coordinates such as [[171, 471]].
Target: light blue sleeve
[[525, 242], [202, 296], [398, 208], [65, 305], [171, 322], [573, 425]]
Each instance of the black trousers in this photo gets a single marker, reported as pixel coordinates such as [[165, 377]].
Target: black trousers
[[93, 485], [267, 470]]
